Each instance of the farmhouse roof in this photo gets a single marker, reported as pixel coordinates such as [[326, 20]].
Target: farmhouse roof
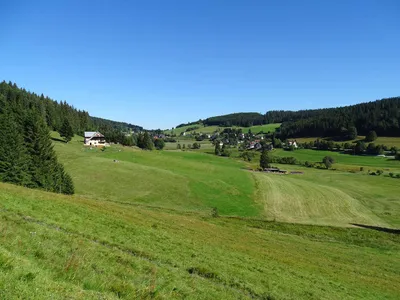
[[90, 134]]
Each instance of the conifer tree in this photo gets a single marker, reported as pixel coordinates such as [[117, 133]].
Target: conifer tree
[[13, 156], [66, 131], [265, 160]]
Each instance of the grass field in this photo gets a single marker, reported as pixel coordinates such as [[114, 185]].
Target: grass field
[[142, 228], [343, 161], [61, 247], [205, 145], [388, 141], [211, 129], [174, 179]]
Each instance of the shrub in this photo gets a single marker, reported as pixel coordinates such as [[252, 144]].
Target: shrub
[[379, 172], [328, 161], [397, 157], [247, 155], [397, 175], [285, 160], [371, 136], [214, 212], [159, 144], [391, 174], [196, 146], [361, 169]]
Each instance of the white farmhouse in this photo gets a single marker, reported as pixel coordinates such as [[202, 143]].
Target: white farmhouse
[[94, 138]]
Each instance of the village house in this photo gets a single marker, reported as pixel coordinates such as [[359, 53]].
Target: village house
[[94, 138], [254, 145], [292, 143]]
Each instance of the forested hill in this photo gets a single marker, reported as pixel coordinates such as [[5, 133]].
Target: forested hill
[[235, 119], [26, 153], [54, 113], [382, 116]]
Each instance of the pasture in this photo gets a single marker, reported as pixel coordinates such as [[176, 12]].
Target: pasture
[[388, 141], [211, 129], [141, 225], [58, 247], [343, 161]]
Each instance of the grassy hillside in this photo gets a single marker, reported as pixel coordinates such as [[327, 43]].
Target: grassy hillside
[[183, 180], [210, 129], [59, 247], [142, 227]]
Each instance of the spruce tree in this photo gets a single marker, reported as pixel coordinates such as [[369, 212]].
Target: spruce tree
[[13, 156], [66, 131]]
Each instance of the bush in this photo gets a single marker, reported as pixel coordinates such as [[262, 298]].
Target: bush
[[247, 155], [361, 169], [328, 161], [379, 172], [397, 175], [397, 157], [196, 146], [309, 164], [371, 136], [391, 175], [159, 144], [214, 212], [285, 160]]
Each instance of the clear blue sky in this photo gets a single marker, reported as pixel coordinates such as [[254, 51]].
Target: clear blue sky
[[161, 63]]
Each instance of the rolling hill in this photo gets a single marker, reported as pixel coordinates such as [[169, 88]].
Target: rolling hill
[[382, 116], [141, 225]]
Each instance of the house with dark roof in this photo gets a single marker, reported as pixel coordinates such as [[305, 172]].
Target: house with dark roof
[[94, 138]]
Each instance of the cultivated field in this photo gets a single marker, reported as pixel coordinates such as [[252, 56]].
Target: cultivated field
[[141, 225]]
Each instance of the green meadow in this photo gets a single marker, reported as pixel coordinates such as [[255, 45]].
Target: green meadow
[[186, 224], [211, 129], [381, 140]]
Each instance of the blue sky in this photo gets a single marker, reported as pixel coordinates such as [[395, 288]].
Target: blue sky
[[161, 63]]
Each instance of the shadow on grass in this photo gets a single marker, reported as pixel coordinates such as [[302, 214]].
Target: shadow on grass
[[58, 140], [382, 229]]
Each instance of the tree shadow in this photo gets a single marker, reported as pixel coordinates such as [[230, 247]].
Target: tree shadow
[[382, 229], [58, 140]]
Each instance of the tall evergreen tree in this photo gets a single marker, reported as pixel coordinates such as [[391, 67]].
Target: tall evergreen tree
[[13, 156], [66, 131]]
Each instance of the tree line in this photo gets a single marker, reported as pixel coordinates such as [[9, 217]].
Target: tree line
[[382, 116], [27, 157], [55, 113]]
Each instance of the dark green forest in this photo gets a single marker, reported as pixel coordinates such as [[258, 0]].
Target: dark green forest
[[27, 157], [381, 116], [26, 154], [235, 119]]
